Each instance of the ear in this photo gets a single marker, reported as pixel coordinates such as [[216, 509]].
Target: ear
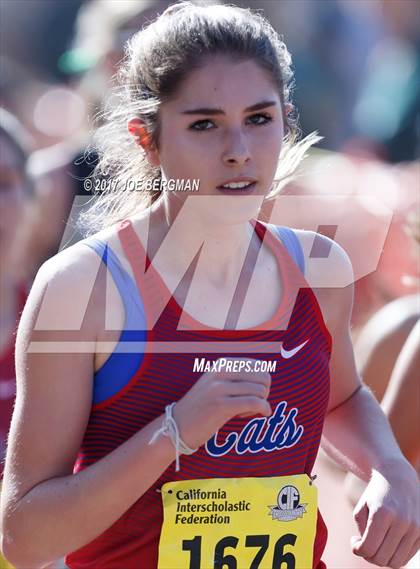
[[288, 108], [142, 137]]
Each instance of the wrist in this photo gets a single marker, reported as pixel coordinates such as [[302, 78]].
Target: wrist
[[170, 429], [184, 432], [396, 468]]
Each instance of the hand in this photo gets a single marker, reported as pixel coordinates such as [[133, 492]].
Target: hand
[[217, 397], [387, 516]]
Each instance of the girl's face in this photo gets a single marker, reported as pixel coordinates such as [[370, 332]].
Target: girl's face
[[224, 124]]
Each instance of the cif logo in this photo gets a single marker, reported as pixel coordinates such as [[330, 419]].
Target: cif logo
[[288, 506], [288, 498]]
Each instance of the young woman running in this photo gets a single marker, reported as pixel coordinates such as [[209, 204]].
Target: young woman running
[[207, 342]]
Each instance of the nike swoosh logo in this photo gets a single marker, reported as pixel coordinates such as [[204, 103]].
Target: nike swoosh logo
[[286, 354]]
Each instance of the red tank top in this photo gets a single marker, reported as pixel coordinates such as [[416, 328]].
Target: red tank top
[[299, 397]]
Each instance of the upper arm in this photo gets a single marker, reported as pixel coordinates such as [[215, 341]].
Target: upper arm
[[329, 272], [53, 381]]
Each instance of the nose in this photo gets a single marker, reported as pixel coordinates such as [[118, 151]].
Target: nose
[[236, 151]]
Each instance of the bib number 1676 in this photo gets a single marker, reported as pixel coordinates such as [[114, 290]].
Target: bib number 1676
[[227, 560]]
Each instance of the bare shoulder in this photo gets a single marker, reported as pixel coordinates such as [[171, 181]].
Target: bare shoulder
[[64, 287], [326, 263], [78, 256], [74, 259], [329, 272], [73, 278]]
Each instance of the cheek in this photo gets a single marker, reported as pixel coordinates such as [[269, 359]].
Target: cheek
[[184, 156], [267, 149], [179, 163], [274, 137]]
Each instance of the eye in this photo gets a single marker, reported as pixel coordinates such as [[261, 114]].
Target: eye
[[260, 119], [202, 125]]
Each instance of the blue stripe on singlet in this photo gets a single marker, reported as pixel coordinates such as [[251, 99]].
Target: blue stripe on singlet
[[120, 367], [291, 241]]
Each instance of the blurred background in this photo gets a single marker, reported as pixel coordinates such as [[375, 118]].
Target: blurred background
[[357, 68]]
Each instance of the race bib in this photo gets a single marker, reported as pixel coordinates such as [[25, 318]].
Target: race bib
[[239, 523]]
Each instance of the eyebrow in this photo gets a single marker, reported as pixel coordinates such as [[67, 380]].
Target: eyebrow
[[212, 111]]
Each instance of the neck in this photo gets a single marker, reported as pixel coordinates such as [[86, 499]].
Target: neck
[[224, 246]]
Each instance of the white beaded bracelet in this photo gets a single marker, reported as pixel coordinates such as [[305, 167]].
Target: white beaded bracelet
[[170, 429]]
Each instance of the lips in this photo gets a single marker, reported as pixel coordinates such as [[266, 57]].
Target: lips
[[238, 191], [251, 184]]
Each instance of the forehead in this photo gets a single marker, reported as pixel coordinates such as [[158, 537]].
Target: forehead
[[223, 81]]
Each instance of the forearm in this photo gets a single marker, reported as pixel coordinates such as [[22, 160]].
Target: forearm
[[357, 434], [62, 514]]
